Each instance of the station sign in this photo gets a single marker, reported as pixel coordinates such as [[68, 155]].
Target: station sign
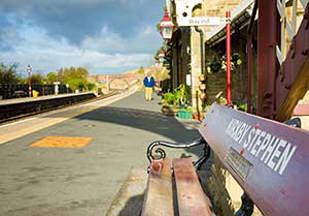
[[185, 17], [201, 21], [267, 158]]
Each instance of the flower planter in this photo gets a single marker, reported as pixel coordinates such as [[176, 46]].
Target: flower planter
[[184, 114]]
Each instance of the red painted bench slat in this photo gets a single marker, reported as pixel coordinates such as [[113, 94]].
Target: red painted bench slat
[[190, 195], [158, 199]]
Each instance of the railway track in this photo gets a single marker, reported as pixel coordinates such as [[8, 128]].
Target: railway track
[[13, 112]]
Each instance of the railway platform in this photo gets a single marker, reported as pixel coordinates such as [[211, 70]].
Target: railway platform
[[41, 174]]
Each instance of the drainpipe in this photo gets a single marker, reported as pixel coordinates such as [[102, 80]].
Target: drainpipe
[[200, 31], [202, 47]]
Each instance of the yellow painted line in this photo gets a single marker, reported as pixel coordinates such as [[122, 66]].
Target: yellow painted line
[[18, 122], [19, 129], [62, 142]]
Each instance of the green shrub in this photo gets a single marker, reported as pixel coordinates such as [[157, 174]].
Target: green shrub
[[181, 95], [189, 109], [242, 107], [169, 98], [222, 100], [91, 86]]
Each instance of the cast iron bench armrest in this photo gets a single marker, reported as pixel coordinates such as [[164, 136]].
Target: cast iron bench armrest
[[156, 152]]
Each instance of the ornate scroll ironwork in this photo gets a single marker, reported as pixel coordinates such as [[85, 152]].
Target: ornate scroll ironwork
[[295, 122], [156, 152]]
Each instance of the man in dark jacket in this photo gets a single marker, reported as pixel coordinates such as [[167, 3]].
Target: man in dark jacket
[[149, 83]]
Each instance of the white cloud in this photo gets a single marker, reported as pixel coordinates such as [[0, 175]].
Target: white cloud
[[109, 41], [106, 41], [107, 52]]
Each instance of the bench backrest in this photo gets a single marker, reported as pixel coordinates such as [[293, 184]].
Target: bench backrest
[[268, 159]]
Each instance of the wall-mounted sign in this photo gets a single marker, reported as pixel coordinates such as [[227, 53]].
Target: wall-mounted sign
[[201, 21], [184, 10]]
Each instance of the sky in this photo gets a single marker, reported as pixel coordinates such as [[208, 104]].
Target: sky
[[105, 36]]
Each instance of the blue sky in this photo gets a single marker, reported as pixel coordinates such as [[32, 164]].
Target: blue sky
[[105, 36]]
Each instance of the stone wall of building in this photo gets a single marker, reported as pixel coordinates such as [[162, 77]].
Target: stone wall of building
[[209, 8], [217, 8], [216, 82], [196, 70], [225, 193], [223, 189], [215, 86]]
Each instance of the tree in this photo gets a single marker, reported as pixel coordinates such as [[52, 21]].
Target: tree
[[77, 84], [38, 79], [91, 86], [66, 74], [158, 27], [52, 77], [141, 71], [156, 56], [75, 77], [8, 74], [161, 73]]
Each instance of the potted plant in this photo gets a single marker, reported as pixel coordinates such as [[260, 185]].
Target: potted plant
[[185, 112], [215, 65], [176, 100], [181, 99], [181, 95], [168, 104]]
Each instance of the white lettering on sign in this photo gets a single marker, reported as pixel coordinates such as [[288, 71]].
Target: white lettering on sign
[[199, 21], [271, 150]]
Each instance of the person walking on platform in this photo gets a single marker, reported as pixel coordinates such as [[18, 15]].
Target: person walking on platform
[[149, 83]]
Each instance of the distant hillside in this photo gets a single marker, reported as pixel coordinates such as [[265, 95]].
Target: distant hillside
[[154, 70], [131, 71]]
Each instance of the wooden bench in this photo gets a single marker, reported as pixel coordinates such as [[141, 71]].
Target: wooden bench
[[173, 188], [268, 159]]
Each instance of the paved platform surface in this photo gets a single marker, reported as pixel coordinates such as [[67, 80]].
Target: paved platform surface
[[14, 130], [54, 181]]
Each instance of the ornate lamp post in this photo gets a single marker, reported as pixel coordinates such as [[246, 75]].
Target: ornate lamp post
[[29, 70], [166, 26]]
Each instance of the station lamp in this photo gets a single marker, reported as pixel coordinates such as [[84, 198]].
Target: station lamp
[[166, 26], [29, 70]]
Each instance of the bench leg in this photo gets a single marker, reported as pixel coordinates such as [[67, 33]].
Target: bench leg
[[198, 164], [247, 206]]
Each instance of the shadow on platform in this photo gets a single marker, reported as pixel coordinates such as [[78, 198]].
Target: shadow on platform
[[150, 121]]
